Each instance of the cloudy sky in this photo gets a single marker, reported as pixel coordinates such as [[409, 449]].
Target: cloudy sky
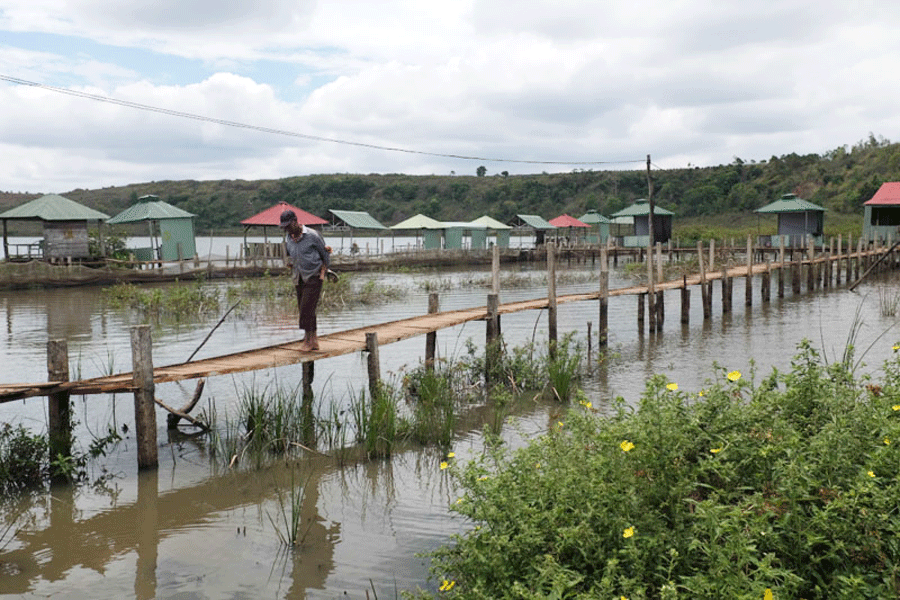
[[97, 93]]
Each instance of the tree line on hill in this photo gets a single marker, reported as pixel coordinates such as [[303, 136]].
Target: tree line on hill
[[839, 180]]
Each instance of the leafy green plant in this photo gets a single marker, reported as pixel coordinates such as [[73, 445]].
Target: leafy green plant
[[785, 488], [564, 368]]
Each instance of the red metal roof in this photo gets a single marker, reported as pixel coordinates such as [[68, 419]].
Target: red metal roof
[[888, 193], [272, 216], [567, 221]]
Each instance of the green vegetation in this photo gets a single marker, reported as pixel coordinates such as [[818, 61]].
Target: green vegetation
[[840, 180], [784, 488]]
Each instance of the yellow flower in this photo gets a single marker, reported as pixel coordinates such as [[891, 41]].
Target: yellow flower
[[559, 424], [672, 387], [629, 531], [459, 500], [585, 404], [483, 478], [896, 407], [715, 450], [734, 376], [768, 594], [870, 473], [896, 347], [446, 586], [887, 441], [451, 454], [444, 465], [626, 446], [701, 393]]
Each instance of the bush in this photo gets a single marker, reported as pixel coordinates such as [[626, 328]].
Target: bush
[[786, 489]]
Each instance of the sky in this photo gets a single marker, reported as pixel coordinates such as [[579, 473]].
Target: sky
[[97, 94]]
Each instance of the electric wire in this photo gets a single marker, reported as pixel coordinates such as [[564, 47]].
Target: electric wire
[[284, 132]]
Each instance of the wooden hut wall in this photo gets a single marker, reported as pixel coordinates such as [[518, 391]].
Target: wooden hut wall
[[65, 239]]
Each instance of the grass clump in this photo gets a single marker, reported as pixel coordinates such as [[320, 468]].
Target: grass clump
[[786, 489]]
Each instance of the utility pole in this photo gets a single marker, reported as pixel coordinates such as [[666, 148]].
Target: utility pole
[[651, 287]]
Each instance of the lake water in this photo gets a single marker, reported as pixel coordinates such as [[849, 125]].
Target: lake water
[[193, 529]]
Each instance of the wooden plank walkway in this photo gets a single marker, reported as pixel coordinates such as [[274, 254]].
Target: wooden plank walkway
[[334, 344]]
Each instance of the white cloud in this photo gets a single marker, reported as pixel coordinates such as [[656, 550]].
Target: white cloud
[[575, 80]]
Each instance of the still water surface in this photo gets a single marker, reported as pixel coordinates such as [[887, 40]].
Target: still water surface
[[195, 530]]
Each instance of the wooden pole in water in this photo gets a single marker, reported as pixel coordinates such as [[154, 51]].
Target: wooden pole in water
[[796, 267], [685, 301], [431, 336], [373, 364], [704, 290], [492, 337], [309, 429], [651, 233], [811, 270], [603, 322], [712, 254], [726, 290], [766, 279], [59, 411], [640, 312], [551, 299], [781, 266], [144, 390], [748, 295], [495, 269]]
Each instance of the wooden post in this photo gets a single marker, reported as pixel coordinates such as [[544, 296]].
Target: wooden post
[[551, 299], [603, 323], [659, 263], [144, 391], [748, 296], [373, 364], [685, 301], [660, 310], [640, 312], [796, 267], [766, 279], [431, 336], [781, 267], [811, 271], [59, 411], [495, 269], [492, 337], [712, 254], [726, 291], [704, 290], [309, 428]]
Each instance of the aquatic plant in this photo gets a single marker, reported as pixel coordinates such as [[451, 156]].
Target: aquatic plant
[[289, 521], [376, 421], [176, 301], [785, 488], [564, 368]]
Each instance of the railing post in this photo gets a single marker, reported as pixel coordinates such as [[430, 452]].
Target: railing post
[[431, 336], [373, 364], [59, 411]]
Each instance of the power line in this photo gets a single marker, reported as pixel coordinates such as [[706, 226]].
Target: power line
[[306, 136]]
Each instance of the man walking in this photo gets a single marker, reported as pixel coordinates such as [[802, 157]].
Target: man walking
[[309, 259]]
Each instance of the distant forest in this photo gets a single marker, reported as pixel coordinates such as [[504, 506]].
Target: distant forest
[[840, 180]]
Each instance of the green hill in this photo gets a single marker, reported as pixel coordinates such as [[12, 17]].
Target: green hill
[[840, 180]]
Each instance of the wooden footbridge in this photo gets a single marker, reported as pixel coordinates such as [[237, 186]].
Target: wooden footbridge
[[821, 271]]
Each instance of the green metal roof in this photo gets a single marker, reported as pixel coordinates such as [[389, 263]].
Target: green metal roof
[[592, 217], [418, 222], [535, 221], [490, 223], [640, 208], [357, 219], [149, 210], [790, 203], [53, 207]]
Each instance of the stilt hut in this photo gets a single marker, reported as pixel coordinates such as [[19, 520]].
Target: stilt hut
[[528, 224], [170, 228], [639, 212], [427, 227], [353, 221], [271, 217], [797, 219], [882, 213], [65, 224], [599, 231], [569, 230], [495, 228]]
